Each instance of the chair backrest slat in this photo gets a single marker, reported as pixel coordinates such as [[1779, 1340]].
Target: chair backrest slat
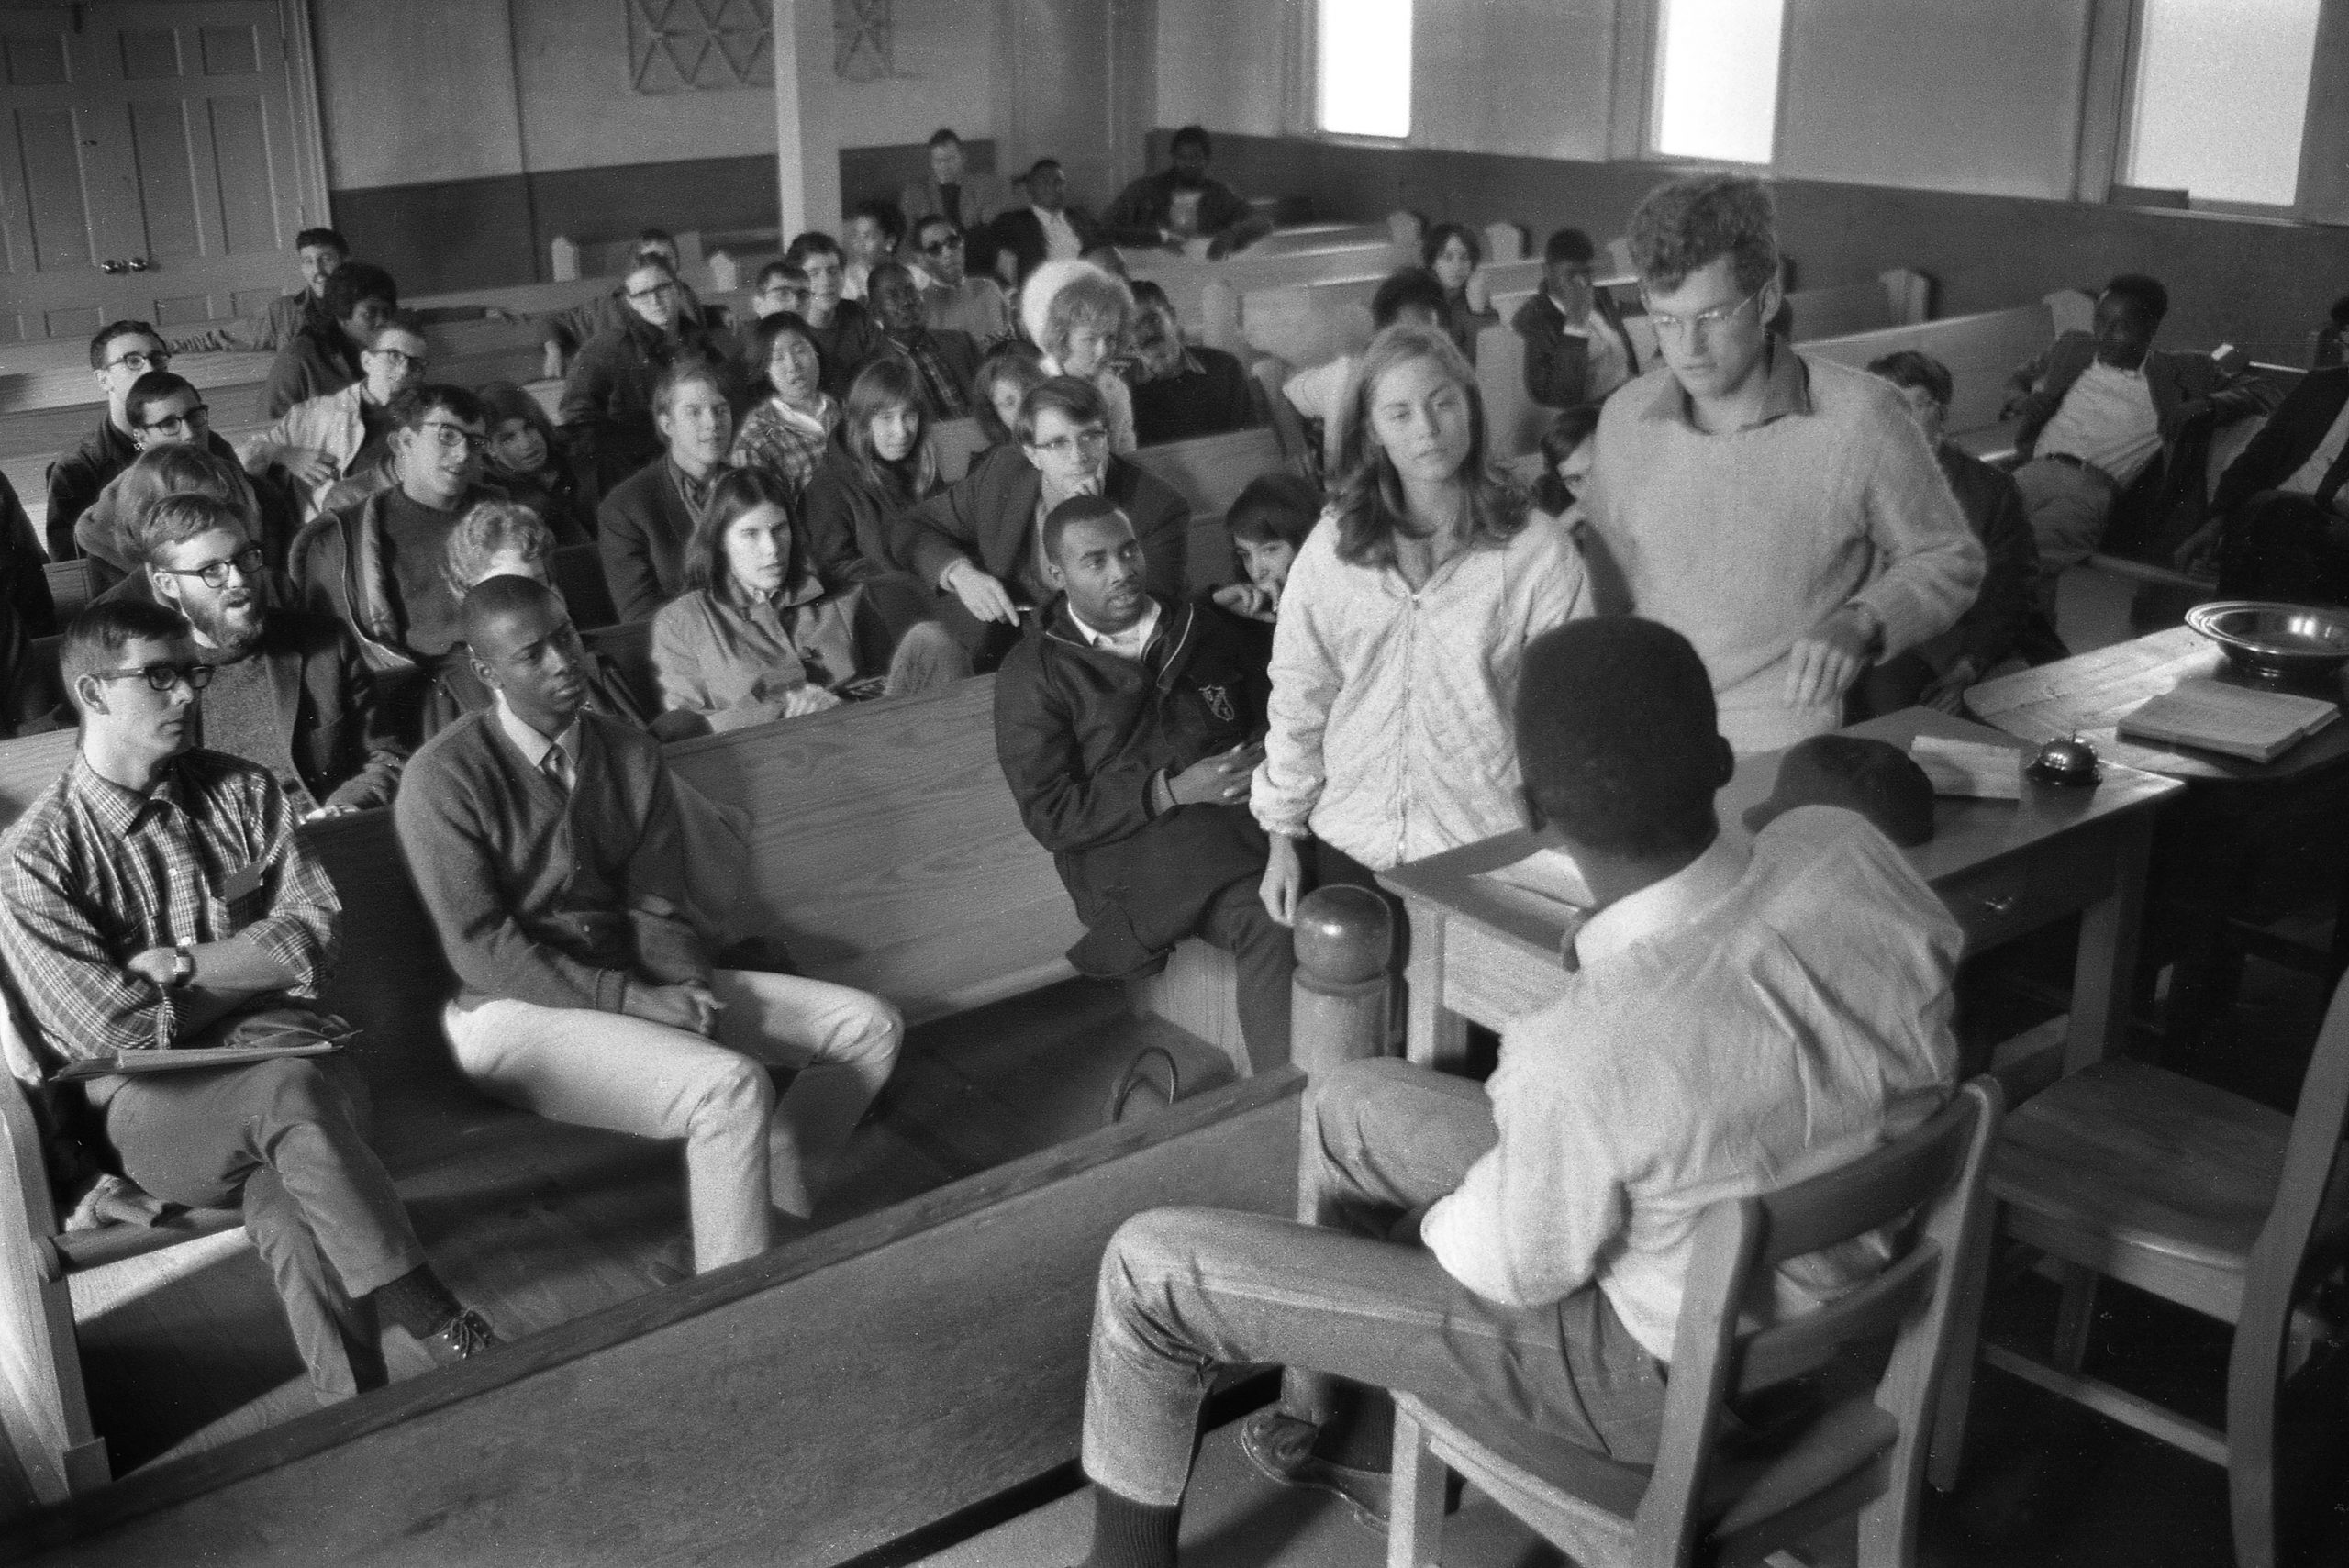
[[1802, 1345], [2313, 1159], [1851, 1200]]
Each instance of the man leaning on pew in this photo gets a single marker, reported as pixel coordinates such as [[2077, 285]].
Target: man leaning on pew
[[157, 898], [1735, 1017], [547, 843], [1128, 727]]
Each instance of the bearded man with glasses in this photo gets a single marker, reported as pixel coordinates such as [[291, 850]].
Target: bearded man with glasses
[[1782, 513], [291, 690], [157, 898]]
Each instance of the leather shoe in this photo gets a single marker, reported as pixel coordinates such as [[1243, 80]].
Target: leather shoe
[[463, 1337], [1281, 1447]]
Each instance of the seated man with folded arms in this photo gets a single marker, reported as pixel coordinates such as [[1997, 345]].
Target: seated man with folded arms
[[1128, 726], [326, 440], [956, 297], [157, 897], [980, 540], [2279, 520], [122, 354], [945, 361], [1182, 201], [1735, 1017], [375, 565], [324, 356], [502, 538], [1323, 395], [1182, 390], [646, 521], [2098, 408], [1576, 349], [290, 689], [2005, 620], [1780, 511], [547, 843]]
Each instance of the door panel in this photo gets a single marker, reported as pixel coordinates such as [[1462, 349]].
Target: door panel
[[159, 136]]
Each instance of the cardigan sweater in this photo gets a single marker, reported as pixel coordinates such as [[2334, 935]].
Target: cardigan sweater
[[1745, 540], [558, 900]]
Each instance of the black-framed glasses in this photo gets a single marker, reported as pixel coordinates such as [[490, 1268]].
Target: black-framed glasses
[[142, 363], [940, 247], [656, 292], [162, 677], [215, 574], [451, 437], [195, 419], [416, 362]]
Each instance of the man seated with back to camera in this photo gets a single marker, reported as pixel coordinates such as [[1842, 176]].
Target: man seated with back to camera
[[157, 897], [1128, 726], [376, 564], [291, 690], [549, 846], [1735, 1017], [979, 542]]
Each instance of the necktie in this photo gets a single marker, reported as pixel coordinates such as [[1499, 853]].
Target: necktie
[[557, 768]]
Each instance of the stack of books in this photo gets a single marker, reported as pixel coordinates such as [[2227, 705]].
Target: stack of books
[[2238, 721]]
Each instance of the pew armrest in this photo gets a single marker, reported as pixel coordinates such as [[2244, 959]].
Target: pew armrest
[[43, 1405]]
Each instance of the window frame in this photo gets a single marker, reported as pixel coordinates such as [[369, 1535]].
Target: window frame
[[1650, 89], [1307, 33]]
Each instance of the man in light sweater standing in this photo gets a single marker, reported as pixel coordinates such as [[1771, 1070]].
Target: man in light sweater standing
[[1783, 513], [547, 844], [1737, 1016]]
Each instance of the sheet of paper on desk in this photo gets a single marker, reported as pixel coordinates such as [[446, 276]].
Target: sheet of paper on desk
[[1969, 768], [1545, 882]]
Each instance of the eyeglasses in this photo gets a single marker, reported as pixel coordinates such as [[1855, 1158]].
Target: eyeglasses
[[940, 247], [162, 677], [195, 419], [405, 360], [215, 574], [142, 363], [1703, 322], [1092, 441], [657, 290], [449, 438]]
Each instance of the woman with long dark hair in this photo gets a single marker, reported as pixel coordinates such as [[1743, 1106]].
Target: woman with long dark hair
[[1395, 653], [1456, 257], [880, 464]]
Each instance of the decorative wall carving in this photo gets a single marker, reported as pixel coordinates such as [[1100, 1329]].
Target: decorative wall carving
[[864, 42], [693, 46]]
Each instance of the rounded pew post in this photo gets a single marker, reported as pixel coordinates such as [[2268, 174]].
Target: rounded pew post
[[1337, 1007]]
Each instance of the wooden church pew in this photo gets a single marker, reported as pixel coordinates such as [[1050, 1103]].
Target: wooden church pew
[[1209, 472]]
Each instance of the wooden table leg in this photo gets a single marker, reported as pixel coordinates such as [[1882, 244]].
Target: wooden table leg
[[1436, 1036], [2104, 972]]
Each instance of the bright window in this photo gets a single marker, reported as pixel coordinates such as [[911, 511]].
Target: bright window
[[1717, 79], [1366, 67], [2221, 94]]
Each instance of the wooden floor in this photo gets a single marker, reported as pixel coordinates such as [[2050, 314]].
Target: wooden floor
[[187, 1349]]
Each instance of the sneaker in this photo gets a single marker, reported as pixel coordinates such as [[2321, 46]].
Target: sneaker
[[1281, 1447], [463, 1337]]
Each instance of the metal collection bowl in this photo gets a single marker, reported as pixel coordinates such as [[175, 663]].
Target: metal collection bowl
[[2276, 642]]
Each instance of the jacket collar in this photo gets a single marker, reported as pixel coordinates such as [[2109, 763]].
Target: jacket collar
[[1178, 630], [1787, 391]]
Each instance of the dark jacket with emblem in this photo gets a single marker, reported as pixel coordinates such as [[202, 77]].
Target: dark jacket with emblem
[[1082, 733]]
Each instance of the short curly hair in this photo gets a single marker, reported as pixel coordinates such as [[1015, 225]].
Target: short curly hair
[[1684, 227]]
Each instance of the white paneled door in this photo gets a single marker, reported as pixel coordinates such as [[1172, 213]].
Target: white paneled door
[[152, 164]]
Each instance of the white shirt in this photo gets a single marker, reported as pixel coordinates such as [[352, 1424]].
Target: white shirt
[[1060, 244], [1131, 643], [1321, 394], [1609, 355], [1390, 710], [535, 745], [2107, 419], [2311, 474], [1765, 1015]]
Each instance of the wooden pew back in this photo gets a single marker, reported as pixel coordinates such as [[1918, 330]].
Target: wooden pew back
[[1186, 281], [1981, 351], [1210, 472]]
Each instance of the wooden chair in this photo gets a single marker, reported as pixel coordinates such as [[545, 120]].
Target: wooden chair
[[1861, 1453], [2203, 1198]]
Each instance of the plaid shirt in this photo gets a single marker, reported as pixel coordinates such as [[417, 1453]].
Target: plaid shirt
[[94, 874], [947, 400], [785, 444]]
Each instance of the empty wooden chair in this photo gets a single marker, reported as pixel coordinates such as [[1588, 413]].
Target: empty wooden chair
[[1855, 1451], [2201, 1197]]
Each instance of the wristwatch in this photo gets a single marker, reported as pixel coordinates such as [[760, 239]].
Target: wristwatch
[[183, 966]]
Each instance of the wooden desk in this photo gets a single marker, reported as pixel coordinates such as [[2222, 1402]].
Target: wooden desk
[[2004, 869]]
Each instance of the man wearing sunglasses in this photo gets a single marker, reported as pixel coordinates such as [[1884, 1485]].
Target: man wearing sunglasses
[[957, 300], [1783, 513], [157, 897], [120, 355], [291, 690], [376, 564]]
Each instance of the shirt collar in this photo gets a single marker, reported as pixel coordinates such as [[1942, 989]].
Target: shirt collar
[[534, 746], [1787, 390], [116, 807], [1136, 636], [1663, 907]]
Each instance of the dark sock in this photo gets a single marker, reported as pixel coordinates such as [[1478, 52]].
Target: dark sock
[[1127, 1534], [1363, 1437], [418, 1302]]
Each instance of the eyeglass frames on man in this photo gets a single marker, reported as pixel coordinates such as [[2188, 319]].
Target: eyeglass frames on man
[[142, 363], [451, 437], [215, 574], [162, 677], [656, 292], [1704, 321], [1091, 441], [195, 419]]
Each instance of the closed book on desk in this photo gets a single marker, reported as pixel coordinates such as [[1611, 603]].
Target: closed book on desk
[[2237, 720], [142, 1061]]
